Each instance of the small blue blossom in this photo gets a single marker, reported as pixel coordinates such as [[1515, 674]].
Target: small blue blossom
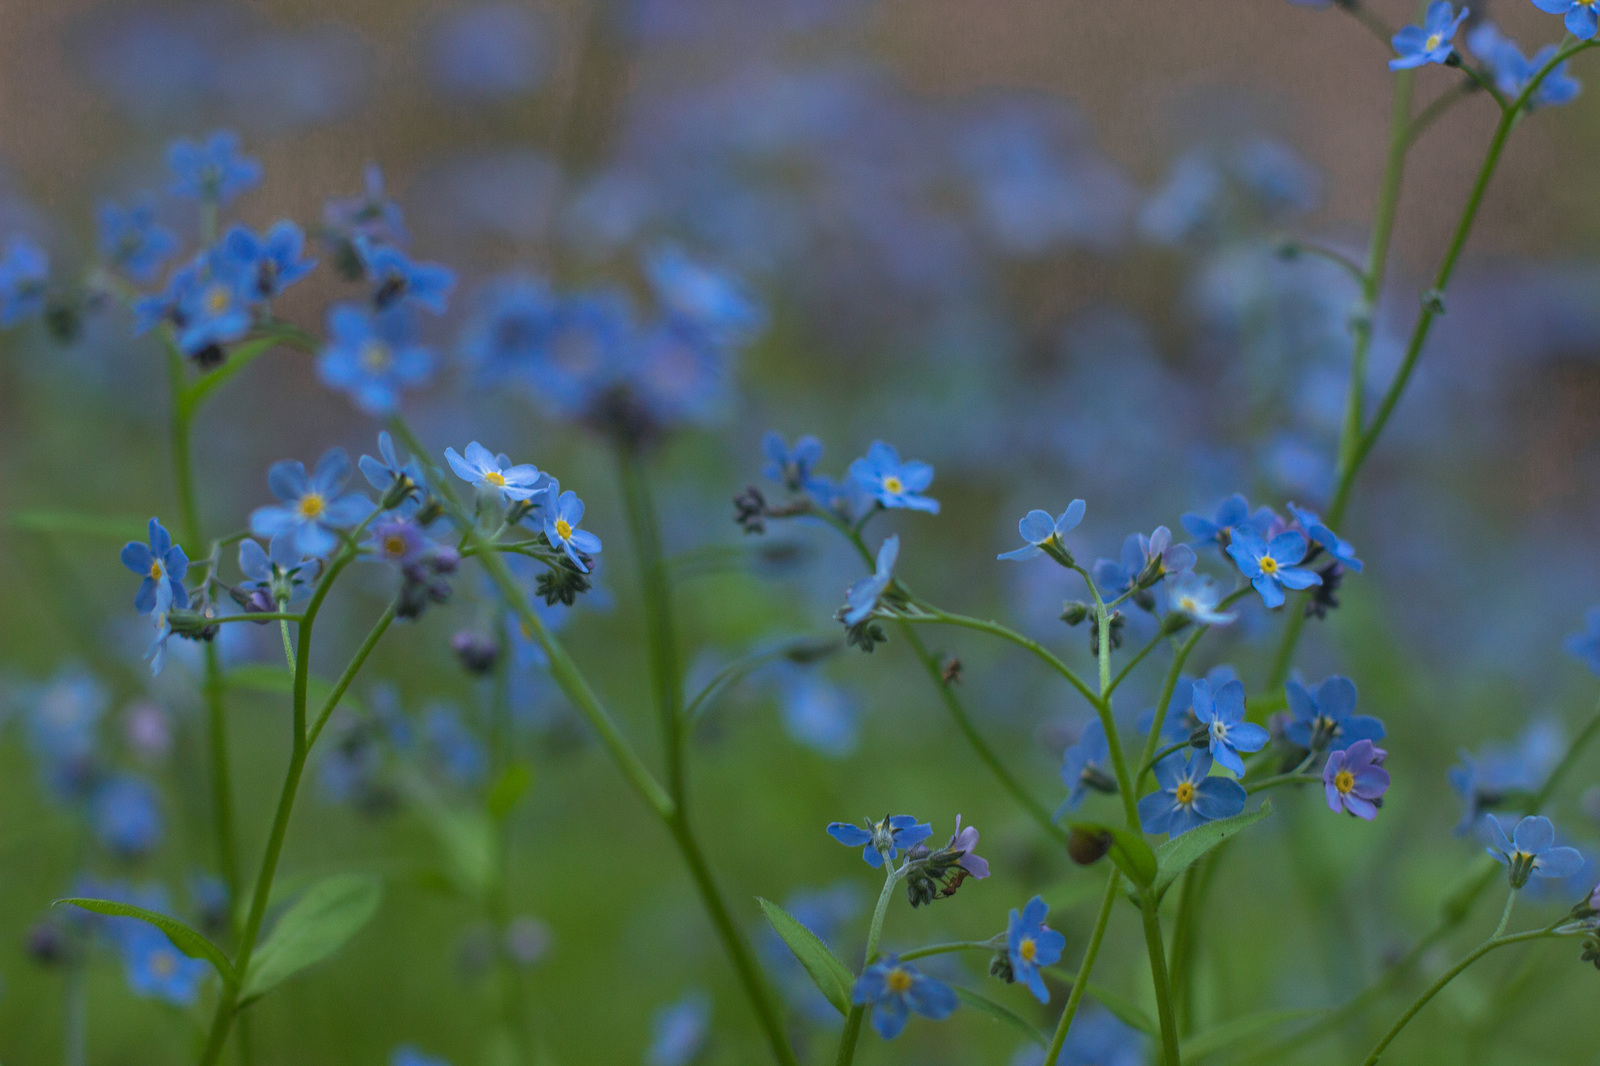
[[126, 816], [387, 473], [398, 279], [1512, 71], [1113, 578], [893, 989], [861, 599], [157, 970], [1327, 719], [398, 540], [1231, 514], [158, 562], [1097, 1037], [370, 214], [1430, 42], [156, 653], [676, 372], [213, 170], [23, 273], [893, 483], [1586, 645], [312, 508], [1498, 773], [1354, 780], [678, 1032], [1531, 851], [1581, 20], [1144, 562], [373, 355], [1221, 712], [1196, 596], [489, 51], [457, 754], [1271, 567], [133, 241], [891, 835], [819, 715], [274, 573], [267, 263], [1084, 766], [1188, 798], [1180, 723], [1031, 944], [711, 300], [407, 1055], [62, 721], [494, 474], [206, 301], [511, 326], [562, 512], [1043, 533], [794, 469], [1326, 539]]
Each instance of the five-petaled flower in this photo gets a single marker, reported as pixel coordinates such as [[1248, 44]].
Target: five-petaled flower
[[877, 839], [1429, 42], [1221, 713], [1198, 597], [312, 508], [269, 262], [275, 574], [1044, 533], [861, 598], [1327, 719], [399, 280], [1272, 566], [159, 562], [373, 355], [792, 467], [213, 170], [893, 483], [893, 989], [562, 512], [1031, 944], [1354, 779], [1231, 514], [1188, 798], [131, 240], [1581, 18], [157, 969], [494, 473], [1531, 851]]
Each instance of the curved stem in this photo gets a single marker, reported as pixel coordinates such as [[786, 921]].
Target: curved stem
[[1138, 657], [1080, 984], [852, 1022], [995, 629], [945, 949]]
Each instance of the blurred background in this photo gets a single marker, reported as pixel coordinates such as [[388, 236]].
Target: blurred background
[[1034, 244]]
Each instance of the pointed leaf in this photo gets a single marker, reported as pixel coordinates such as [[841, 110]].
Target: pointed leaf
[[508, 789], [1177, 854], [831, 976], [1001, 1013], [189, 941], [1128, 850], [471, 848], [1228, 1033], [239, 357], [329, 913]]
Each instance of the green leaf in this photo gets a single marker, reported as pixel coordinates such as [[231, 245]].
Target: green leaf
[[1177, 854], [472, 852], [516, 779], [1002, 1013], [1128, 850], [329, 913], [110, 527], [276, 680], [239, 357], [830, 975], [1228, 1033], [189, 941]]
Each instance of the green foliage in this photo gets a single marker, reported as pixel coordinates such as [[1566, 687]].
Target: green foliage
[[1179, 853], [189, 941], [316, 926], [831, 976]]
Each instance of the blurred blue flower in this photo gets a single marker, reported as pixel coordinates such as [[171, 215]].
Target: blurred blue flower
[[1084, 766], [1232, 513], [1581, 20], [893, 483], [278, 570], [711, 300], [373, 355], [23, 273], [894, 833], [158, 562], [1188, 798], [1031, 944], [1185, 202], [1097, 1037], [678, 1032], [1586, 645], [583, 352], [266, 263], [793, 468], [398, 540], [1512, 71], [158, 970], [407, 1055], [1531, 851], [396, 279], [125, 814], [1270, 567], [313, 508], [1430, 42], [1196, 597], [494, 474], [893, 989], [62, 720], [1327, 719], [456, 753], [488, 51], [370, 214], [1222, 713], [819, 715], [131, 240], [384, 472], [1327, 539], [509, 330], [677, 371], [212, 170], [1040, 530], [1354, 780], [562, 512], [861, 598], [1498, 772]]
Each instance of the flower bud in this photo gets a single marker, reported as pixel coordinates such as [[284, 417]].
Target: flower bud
[[1088, 846], [476, 652]]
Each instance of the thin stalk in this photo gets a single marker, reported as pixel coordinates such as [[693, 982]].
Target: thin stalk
[[75, 1045], [1119, 761], [995, 629], [945, 949], [852, 1022], [1158, 976], [1080, 983]]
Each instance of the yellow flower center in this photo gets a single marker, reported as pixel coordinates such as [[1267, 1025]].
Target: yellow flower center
[[899, 980], [495, 478], [312, 504], [893, 484], [1432, 42], [375, 357], [563, 529], [1186, 604], [155, 570], [1269, 565], [162, 964], [218, 298], [1344, 781], [1027, 949], [1185, 793], [394, 544]]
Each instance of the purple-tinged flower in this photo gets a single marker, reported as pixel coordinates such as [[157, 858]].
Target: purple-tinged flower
[[1221, 712], [966, 842], [1531, 851], [1031, 944], [157, 970], [1327, 719], [494, 474], [1043, 533], [398, 279], [399, 541], [879, 838], [1354, 780], [373, 355], [1231, 514], [267, 263], [1271, 567], [893, 483], [1431, 41], [1326, 539], [132, 241], [312, 508], [862, 598], [1084, 766], [562, 512], [793, 468], [1144, 562], [1581, 19], [1196, 597], [23, 273], [893, 989], [1188, 798], [213, 170], [159, 562]]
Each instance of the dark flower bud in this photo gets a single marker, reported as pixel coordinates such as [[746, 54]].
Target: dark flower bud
[[1174, 622], [1591, 951], [806, 652], [64, 322], [1324, 597], [49, 944], [429, 513], [1000, 966], [210, 357], [1087, 846], [750, 510], [865, 636], [401, 489], [562, 584], [476, 652], [1200, 736], [444, 560], [1074, 612]]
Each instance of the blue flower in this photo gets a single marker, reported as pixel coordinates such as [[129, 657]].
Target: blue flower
[[583, 351], [158, 562], [819, 715], [1327, 539], [1327, 720], [132, 241], [156, 653], [1188, 798], [678, 1032], [388, 475], [213, 170], [711, 300], [206, 302], [1581, 19], [1044, 533], [457, 754], [677, 372], [1430, 42], [398, 540], [1586, 645], [1180, 723], [562, 512], [893, 483], [1145, 561], [893, 989], [1083, 766], [398, 279], [1031, 944], [1231, 514], [157, 970], [1271, 567], [861, 598], [890, 835], [373, 355], [312, 507], [23, 273], [1354, 780], [406, 1055], [126, 816], [370, 214], [1099, 1038], [510, 329], [1498, 773], [1196, 596], [1222, 713], [793, 468], [489, 51], [493, 473], [1512, 70], [277, 572], [62, 720], [1531, 851], [269, 263]]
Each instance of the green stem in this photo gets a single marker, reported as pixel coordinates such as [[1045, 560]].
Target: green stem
[[852, 1022], [995, 629], [1080, 983], [1119, 761], [945, 949], [288, 645], [1158, 975]]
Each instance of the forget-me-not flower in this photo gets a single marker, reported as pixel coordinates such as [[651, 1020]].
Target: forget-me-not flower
[[133, 241], [388, 474], [312, 508], [1327, 718], [889, 836], [398, 279], [1232, 513], [214, 170], [1031, 944], [562, 512], [158, 970], [373, 355], [274, 574], [1431, 41], [1272, 567], [158, 562], [269, 262], [156, 653], [1354, 780], [1084, 766], [1586, 645], [495, 474], [370, 213], [894, 483], [1188, 798], [1221, 712], [23, 273], [1531, 851], [1197, 596], [1327, 539], [893, 989], [861, 599], [1512, 71], [1044, 533], [678, 1032], [125, 814], [793, 468], [1581, 19]]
